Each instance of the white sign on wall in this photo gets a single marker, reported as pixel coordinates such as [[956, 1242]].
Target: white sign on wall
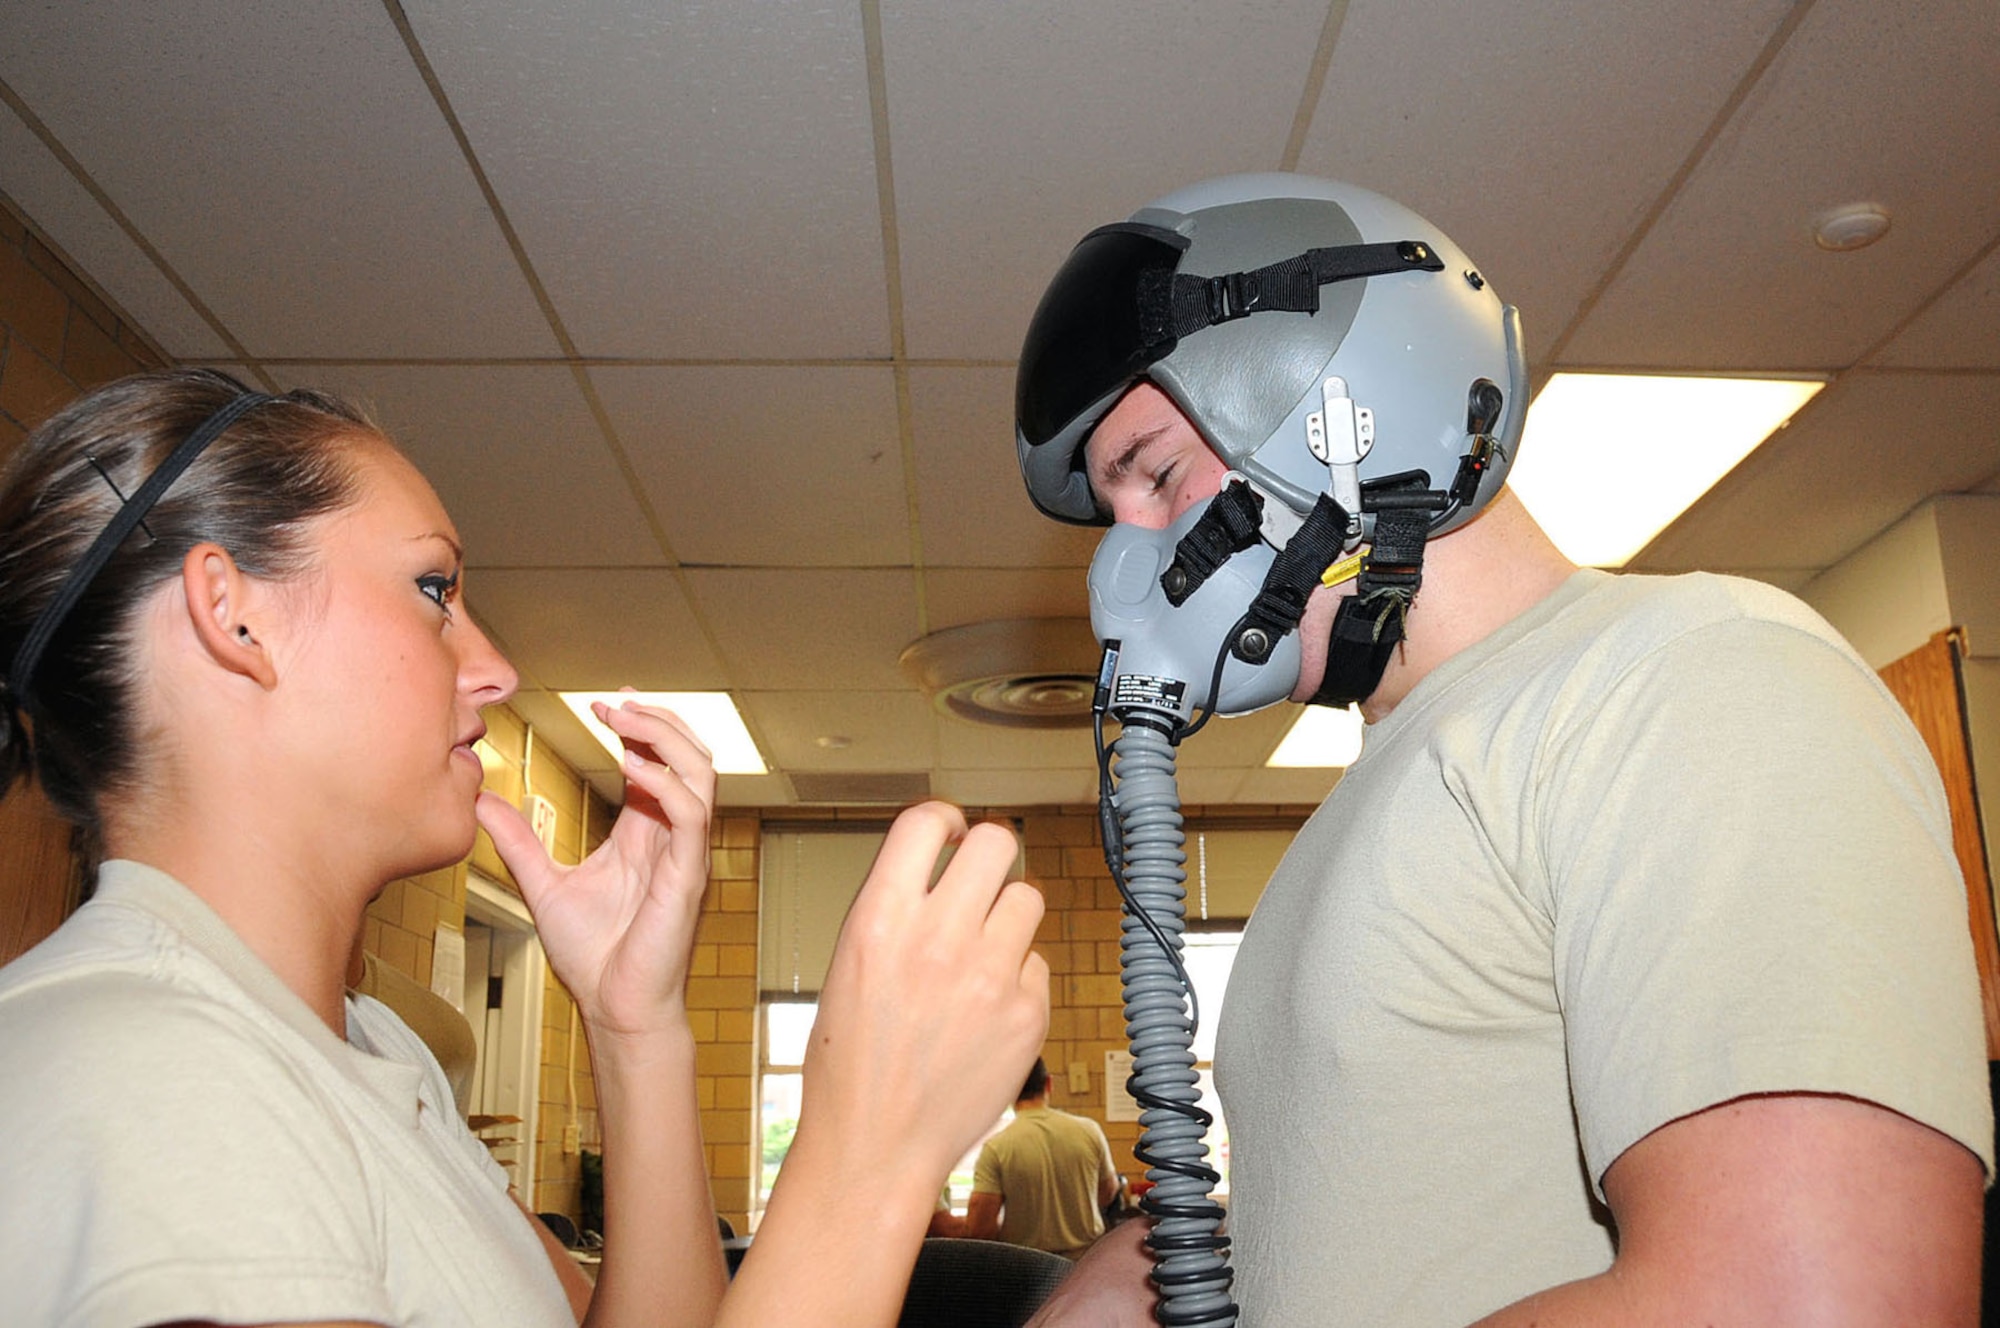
[[1119, 1105], [448, 965], [542, 816]]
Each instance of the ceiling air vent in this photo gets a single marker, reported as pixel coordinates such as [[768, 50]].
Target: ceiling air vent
[[1022, 673], [823, 788]]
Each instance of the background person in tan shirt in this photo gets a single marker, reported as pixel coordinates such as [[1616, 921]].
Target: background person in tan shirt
[[1045, 1179]]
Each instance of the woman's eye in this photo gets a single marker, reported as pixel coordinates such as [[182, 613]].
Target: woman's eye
[[441, 589]]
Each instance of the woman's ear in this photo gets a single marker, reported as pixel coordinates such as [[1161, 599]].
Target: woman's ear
[[219, 599]]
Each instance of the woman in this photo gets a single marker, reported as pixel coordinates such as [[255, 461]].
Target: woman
[[234, 654]]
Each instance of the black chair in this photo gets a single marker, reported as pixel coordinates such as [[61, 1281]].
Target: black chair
[[979, 1284], [564, 1229]]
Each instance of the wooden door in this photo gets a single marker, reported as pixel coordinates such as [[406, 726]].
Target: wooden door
[[1929, 681]]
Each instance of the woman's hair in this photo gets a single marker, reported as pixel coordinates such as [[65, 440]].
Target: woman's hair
[[282, 463]]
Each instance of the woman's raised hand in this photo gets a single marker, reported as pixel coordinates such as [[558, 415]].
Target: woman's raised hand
[[934, 1005], [619, 926]]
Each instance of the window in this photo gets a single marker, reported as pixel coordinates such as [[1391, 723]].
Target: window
[[809, 877], [1227, 868], [787, 1028], [1208, 957]]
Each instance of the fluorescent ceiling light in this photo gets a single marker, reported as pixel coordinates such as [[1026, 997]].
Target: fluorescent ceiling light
[[712, 716], [1321, 737], [1608, 460]]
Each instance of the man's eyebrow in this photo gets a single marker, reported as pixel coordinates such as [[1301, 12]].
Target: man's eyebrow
[[1137, 443]]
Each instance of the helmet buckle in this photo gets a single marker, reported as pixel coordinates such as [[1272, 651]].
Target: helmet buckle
[[1234, 295]]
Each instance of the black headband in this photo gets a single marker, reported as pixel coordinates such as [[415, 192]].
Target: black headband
[[29, 656]]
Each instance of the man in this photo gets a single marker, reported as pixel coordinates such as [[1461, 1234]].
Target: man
[[1045, 1179], [1624, 978]]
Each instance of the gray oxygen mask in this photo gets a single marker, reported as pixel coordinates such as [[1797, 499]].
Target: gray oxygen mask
[[1167, 655]]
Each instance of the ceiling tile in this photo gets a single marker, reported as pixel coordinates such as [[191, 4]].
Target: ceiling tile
[[975, 508], [809, 629], [1791, 505], [1863, 104], [964, 745], [260, 147], [689, 180], [1960, 331], [955, 597], [515, 454], [54, 201], [1221, 785], [697, 189], [1535, 135], [1246, 740], [753, 791], [1018, 127], [767, 467], [598, 629], [1016, 788], [883, 730]]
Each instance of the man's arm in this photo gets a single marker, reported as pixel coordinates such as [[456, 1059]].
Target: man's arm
[[1789, 1209], [982, 1216], [1107, 1171]]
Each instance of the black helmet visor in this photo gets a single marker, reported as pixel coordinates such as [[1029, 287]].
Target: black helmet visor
[[1086, 339]]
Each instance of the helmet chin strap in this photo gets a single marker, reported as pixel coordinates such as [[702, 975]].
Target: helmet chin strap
[[1369, 624]]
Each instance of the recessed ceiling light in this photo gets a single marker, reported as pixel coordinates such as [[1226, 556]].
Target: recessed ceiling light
[[1609, 460], [1850, 226], [1320, 736], [833, 742], [712, 716]]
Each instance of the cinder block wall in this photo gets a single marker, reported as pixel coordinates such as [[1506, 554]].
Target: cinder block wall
[[722, 1008], [58, 335]]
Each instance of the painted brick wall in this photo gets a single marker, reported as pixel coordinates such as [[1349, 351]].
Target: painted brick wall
[[58, 335], [722, 1008]]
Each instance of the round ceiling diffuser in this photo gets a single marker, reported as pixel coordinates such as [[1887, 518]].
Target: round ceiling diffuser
[[1022, 673]]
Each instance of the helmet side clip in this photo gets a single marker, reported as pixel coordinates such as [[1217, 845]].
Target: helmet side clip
[[1340, 434]]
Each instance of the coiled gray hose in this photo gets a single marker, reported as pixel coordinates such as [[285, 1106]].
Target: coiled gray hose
[[1190, 1256]]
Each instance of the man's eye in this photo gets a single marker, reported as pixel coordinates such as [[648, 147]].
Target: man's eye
[[1163, 477], [441, 589]]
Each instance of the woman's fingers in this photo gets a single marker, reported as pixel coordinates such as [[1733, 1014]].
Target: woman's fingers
[[1015, 916], [512, 837], [667, 762], [662, 737], [974, 877], [909, 853]]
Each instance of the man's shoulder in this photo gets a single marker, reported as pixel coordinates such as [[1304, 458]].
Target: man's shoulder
[[1644, 605], [1080, 1127], [1615, 623]]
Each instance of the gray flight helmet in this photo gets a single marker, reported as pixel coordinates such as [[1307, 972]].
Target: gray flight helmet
[[1413, 347]]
